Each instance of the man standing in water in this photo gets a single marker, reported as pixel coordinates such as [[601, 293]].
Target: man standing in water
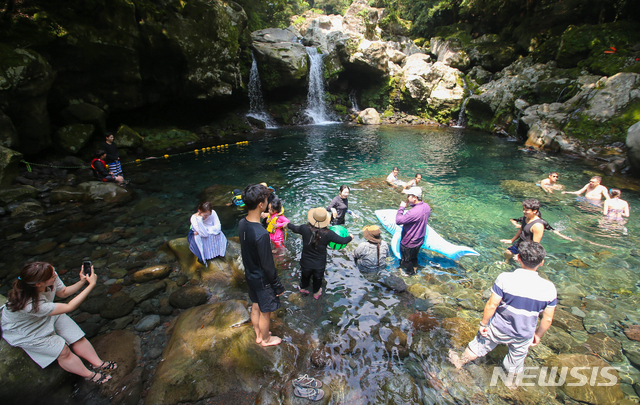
[[551, 183], [414, 229], [511, 314], [263, 282], [594, 190]]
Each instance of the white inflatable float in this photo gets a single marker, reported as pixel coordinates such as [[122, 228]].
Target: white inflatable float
[[432, 241]]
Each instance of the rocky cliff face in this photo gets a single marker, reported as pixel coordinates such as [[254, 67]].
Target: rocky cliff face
[[113, 56]]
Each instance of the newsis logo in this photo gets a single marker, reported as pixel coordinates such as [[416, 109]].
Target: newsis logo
[[555, 377]]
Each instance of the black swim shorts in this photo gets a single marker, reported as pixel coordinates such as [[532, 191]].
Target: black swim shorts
[[265, 298]]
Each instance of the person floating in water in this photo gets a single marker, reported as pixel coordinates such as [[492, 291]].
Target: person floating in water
[[392, 178], [339, 206], [594, 190], [531, 228], [511, 315], [414, 181], [616, 209], [551, 183], [276, 223]]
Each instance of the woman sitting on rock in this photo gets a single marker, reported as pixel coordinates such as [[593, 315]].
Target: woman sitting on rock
[[371, 255], [206, 239], [33, 322]]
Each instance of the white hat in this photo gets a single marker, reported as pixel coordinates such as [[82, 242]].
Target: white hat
[[417, 191]]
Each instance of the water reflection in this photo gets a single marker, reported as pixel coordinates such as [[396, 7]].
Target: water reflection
[[363, 326]]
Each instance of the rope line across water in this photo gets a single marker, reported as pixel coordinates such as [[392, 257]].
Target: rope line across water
[[138, 161]]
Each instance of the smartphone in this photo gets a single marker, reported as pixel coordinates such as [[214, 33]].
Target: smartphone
[[86, 267]]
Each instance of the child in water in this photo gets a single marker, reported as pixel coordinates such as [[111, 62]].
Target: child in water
[[276, 221]]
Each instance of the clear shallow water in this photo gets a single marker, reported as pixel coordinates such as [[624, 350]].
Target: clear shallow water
[[361, 325], [463, 171]]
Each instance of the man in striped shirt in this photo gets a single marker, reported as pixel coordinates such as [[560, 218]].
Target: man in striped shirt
[[511, 314]]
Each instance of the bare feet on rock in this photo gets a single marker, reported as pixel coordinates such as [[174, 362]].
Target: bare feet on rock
[[272, 341]]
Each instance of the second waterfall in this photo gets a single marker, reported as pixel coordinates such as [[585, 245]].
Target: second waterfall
[[316, 106]]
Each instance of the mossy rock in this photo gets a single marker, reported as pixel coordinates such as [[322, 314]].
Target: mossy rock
[[160, 139], [585, 46], [127, 137], [582, 127], [72, 138], [340, 109]]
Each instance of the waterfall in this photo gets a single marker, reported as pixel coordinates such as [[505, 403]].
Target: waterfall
[[316, 107], [256, 103], [353, 101], [462, 116]]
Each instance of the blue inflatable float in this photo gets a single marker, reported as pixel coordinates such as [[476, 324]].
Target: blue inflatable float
[[432, 241]]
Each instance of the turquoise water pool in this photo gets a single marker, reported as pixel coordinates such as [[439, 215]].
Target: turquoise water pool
[[474, 183]]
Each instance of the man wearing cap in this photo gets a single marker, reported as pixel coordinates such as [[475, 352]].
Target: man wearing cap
[[414, 228], [371, 255]]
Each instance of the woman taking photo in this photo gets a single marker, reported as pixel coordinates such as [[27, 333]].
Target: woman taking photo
[[33, 322]]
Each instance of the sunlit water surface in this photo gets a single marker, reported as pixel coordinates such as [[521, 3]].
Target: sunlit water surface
[[360, 321]]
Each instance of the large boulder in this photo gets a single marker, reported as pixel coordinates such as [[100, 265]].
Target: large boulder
[[25, 80], [9, 162], [88, 114], [228, 358], [8, 134], [22, 381], [107, 192], [127, 137], [71, 138], [450, 52], [282, 60], [161, 139], [435, 86], [17, 193], [633, 145], [369, 116], [490, 53]]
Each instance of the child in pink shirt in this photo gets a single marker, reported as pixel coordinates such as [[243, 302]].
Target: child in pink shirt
[[276, 222]]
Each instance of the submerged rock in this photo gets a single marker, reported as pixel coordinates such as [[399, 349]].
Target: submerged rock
[[151, 273], [188, 297], [598, 393], [107, 192]]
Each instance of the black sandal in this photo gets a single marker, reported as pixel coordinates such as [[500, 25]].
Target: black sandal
[[107, 365], [103, 378]]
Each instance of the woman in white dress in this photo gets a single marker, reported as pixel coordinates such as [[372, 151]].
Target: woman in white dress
[[33, 322], [206, 239]]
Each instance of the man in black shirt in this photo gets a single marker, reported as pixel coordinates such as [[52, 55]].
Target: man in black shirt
[[113, 156], [263, 282]]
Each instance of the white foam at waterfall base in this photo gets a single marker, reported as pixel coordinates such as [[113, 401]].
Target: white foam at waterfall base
[[256, 103], [316, 106]]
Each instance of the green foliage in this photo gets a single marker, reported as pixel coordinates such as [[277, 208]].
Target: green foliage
[[273, 13], [332, 6], [383, 96], [340, 109]]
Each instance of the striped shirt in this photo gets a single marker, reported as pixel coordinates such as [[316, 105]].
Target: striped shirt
[[524, 296]]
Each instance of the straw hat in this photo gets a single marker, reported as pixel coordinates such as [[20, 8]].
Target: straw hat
[[319, 217], [372, 233]]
